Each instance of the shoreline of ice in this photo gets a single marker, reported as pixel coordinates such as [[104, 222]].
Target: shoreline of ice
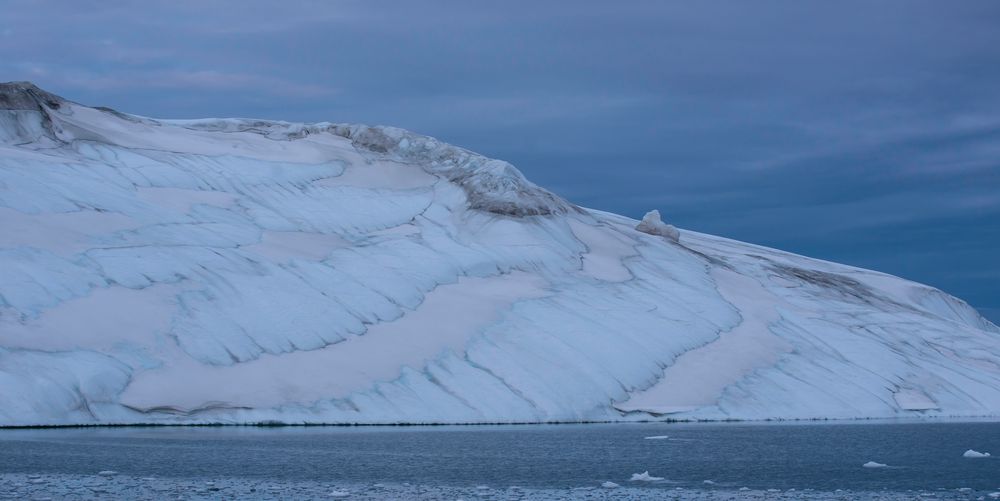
[[931, 419]]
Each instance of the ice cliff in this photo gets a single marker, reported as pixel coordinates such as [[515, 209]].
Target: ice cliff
[[236, 271]]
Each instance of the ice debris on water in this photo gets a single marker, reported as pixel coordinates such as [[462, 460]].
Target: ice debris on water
[[644, 477], [124, 487], [610, 485], [873, 464], [975, 454], [657, 437]]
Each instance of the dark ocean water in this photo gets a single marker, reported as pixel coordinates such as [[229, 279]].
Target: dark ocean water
[[824, 457]]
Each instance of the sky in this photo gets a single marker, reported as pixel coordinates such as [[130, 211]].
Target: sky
[[866, 133]]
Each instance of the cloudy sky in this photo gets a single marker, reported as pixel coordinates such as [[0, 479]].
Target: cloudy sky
[[860, 132]]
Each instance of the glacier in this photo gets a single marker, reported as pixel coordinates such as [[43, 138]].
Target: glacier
[[258, 271]]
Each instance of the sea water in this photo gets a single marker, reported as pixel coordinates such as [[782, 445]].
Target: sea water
[[585, 461]]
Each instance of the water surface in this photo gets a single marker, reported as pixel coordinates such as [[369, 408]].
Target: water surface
[[821, 457]]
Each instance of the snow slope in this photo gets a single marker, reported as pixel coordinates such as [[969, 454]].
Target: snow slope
[[232, 270]]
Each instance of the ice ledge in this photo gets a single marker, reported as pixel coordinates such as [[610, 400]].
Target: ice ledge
[[653, 225]]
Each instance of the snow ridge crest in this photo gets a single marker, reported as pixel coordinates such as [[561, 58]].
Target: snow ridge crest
[[491, 185], [33, 116], [27, 96]]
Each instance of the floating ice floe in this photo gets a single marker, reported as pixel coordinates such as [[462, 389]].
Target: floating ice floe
[[657, 437], [339, 494], [107, 473], [610, 485], [975, 454], [644, 477], [873, 464]]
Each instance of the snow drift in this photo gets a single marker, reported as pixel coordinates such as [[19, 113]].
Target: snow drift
[[235, 271]]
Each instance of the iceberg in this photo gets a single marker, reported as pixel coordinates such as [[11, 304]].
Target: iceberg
[[644, 477], [975, 454], [256, 271]]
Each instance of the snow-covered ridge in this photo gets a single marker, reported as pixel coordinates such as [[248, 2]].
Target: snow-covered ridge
[[239, 270], [491, 185]]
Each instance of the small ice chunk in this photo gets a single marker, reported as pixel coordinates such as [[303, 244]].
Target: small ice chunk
[[652, 224], [744, 489], [644, 477], [657, 437], [975, 454], [339, 494], [994, 495], [708, 482], [609, 485], [107, 473], [873, 464]]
